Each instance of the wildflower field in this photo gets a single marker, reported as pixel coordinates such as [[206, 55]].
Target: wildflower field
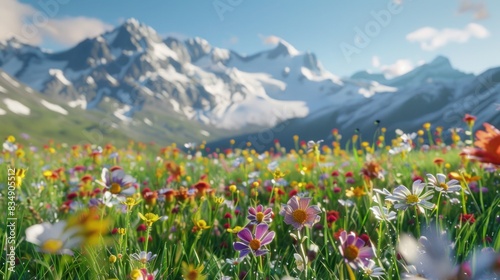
[[420, 206]]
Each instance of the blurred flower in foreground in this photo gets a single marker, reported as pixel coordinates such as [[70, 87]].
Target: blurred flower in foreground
[[85, 228], [488, 145], [54, 238], [431, 258]]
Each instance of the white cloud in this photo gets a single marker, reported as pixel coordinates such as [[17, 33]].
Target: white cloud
[[478, 9], [270, 40], [70, 31], [431, 39], [398, 68], [33, 26]]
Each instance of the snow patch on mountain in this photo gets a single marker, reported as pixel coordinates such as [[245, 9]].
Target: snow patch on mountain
[[123, 113], [148, 122], [81, 102], [54, 107], [60, 76], [16, 107], [2, 112]]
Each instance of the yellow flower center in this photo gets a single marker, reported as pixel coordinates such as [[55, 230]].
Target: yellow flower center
[[351, 252], [52, 246], [412, 198], [115, 188], [444, 186], [255, 244], [259, 216], [299, 216]]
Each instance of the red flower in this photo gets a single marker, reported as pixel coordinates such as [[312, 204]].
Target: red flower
[[467, 218], [469, 119]]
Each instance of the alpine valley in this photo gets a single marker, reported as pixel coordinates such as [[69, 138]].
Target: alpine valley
[[132, 83]]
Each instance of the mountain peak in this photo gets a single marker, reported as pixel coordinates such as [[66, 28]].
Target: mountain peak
[[283, 48], [129, 35], [132, 22], [440, 61]]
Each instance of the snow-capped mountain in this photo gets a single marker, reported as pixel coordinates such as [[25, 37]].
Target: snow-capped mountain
[[134, 66], [136, 75]]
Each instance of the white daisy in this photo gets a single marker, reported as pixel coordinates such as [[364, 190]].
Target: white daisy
[[439, 183], [143, 257], [54, 238], [383, 214], [403, 198], [372, 270]]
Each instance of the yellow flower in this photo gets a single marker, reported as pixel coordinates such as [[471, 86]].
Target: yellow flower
[[149, 218], [91, 226], [112, 259], [201, 224], [11, 139], [130, 202], [191, 272], [426, 126], [20, 174], [232, 188], [231, 141], [219, 200], [277, 174], [234, 230], [464, 177], [136, 274], [357, 192]]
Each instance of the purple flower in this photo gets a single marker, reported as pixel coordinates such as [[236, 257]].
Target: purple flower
[[259, 215], [255, 245], [117, 182], [353, 250], [298, 213]]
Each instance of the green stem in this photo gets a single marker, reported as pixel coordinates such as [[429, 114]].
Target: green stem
[[302, 251], [146, 244], [417, 220]]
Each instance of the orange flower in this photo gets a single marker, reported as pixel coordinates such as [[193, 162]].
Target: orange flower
[[488, 143], [438, 161]]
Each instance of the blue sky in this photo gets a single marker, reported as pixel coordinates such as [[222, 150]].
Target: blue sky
[[466, 31]]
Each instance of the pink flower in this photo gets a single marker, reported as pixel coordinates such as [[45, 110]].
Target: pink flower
[[353, 250], [298, 213], [255, 245], [259, 215]]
